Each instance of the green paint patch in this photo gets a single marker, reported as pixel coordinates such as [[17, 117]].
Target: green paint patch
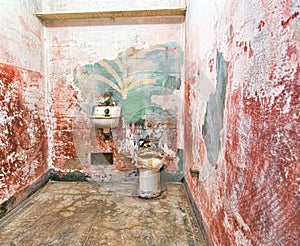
[[231, 31], [213, 121], [133, 78], [133, 109]]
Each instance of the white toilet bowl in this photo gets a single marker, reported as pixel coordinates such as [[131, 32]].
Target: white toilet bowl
[[149, 163]]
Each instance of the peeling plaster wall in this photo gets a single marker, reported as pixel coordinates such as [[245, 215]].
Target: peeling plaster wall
[[246, 193], [76, 48], [92, 5], [23, 137], [21, 36]]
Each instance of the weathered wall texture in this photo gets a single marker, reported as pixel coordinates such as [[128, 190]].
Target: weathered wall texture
[[242, 97], [23, 137], [140, 60], [93, 5], [21, 40]]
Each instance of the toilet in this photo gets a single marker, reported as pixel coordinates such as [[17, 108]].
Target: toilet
[[149, 162]]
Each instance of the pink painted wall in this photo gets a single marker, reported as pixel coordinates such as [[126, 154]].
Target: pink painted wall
[[23, 137], [247, 187]]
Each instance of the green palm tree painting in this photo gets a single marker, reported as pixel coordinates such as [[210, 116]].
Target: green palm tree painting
[[133, 77]]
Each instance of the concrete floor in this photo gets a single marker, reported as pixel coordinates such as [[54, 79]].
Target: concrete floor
[[70, 213]]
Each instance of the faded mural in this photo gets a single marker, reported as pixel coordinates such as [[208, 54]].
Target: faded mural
[[133, 78], [139, 80]]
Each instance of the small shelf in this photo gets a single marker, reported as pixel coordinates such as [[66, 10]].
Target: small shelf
[[111, 14]]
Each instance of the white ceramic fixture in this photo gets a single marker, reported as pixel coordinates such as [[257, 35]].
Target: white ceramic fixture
[[150, 159], [106, 117], [149, 162]]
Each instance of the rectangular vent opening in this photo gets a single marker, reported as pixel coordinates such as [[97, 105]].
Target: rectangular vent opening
[[100, 159]]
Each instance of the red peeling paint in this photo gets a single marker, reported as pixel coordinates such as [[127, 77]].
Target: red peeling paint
[[286, 7], [170, 164], [250, 50], [24, 148], [233, 134], [121, 162], [64, 155], [74, 93], [261, 24], [173, 50], [57, 52], [286, 22], [292, 51], [30, 28], [187, 94], [251, 197], [259, 206], [244, 46], [238, 44], [211, 64]]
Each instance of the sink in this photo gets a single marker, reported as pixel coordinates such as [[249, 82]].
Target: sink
[[106, 117]]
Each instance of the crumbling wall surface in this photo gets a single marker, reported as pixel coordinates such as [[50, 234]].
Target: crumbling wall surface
[[21, 34], [247, 187], [140, 62], [23, 138]]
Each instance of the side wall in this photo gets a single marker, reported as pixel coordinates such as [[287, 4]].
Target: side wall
[[242, 119], [23, 138]]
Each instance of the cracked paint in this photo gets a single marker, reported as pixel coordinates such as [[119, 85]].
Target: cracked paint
[[144, 81], [23, 138], [249, 195]]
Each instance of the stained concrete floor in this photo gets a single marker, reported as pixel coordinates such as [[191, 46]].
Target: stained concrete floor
[[70, 213]]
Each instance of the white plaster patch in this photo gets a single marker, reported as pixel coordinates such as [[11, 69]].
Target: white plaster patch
[[167, 150], [3, 116], [173, 102], [274, 92], [241, 239], [233, 207], [19, 39], [287, 106], [226, 222]]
